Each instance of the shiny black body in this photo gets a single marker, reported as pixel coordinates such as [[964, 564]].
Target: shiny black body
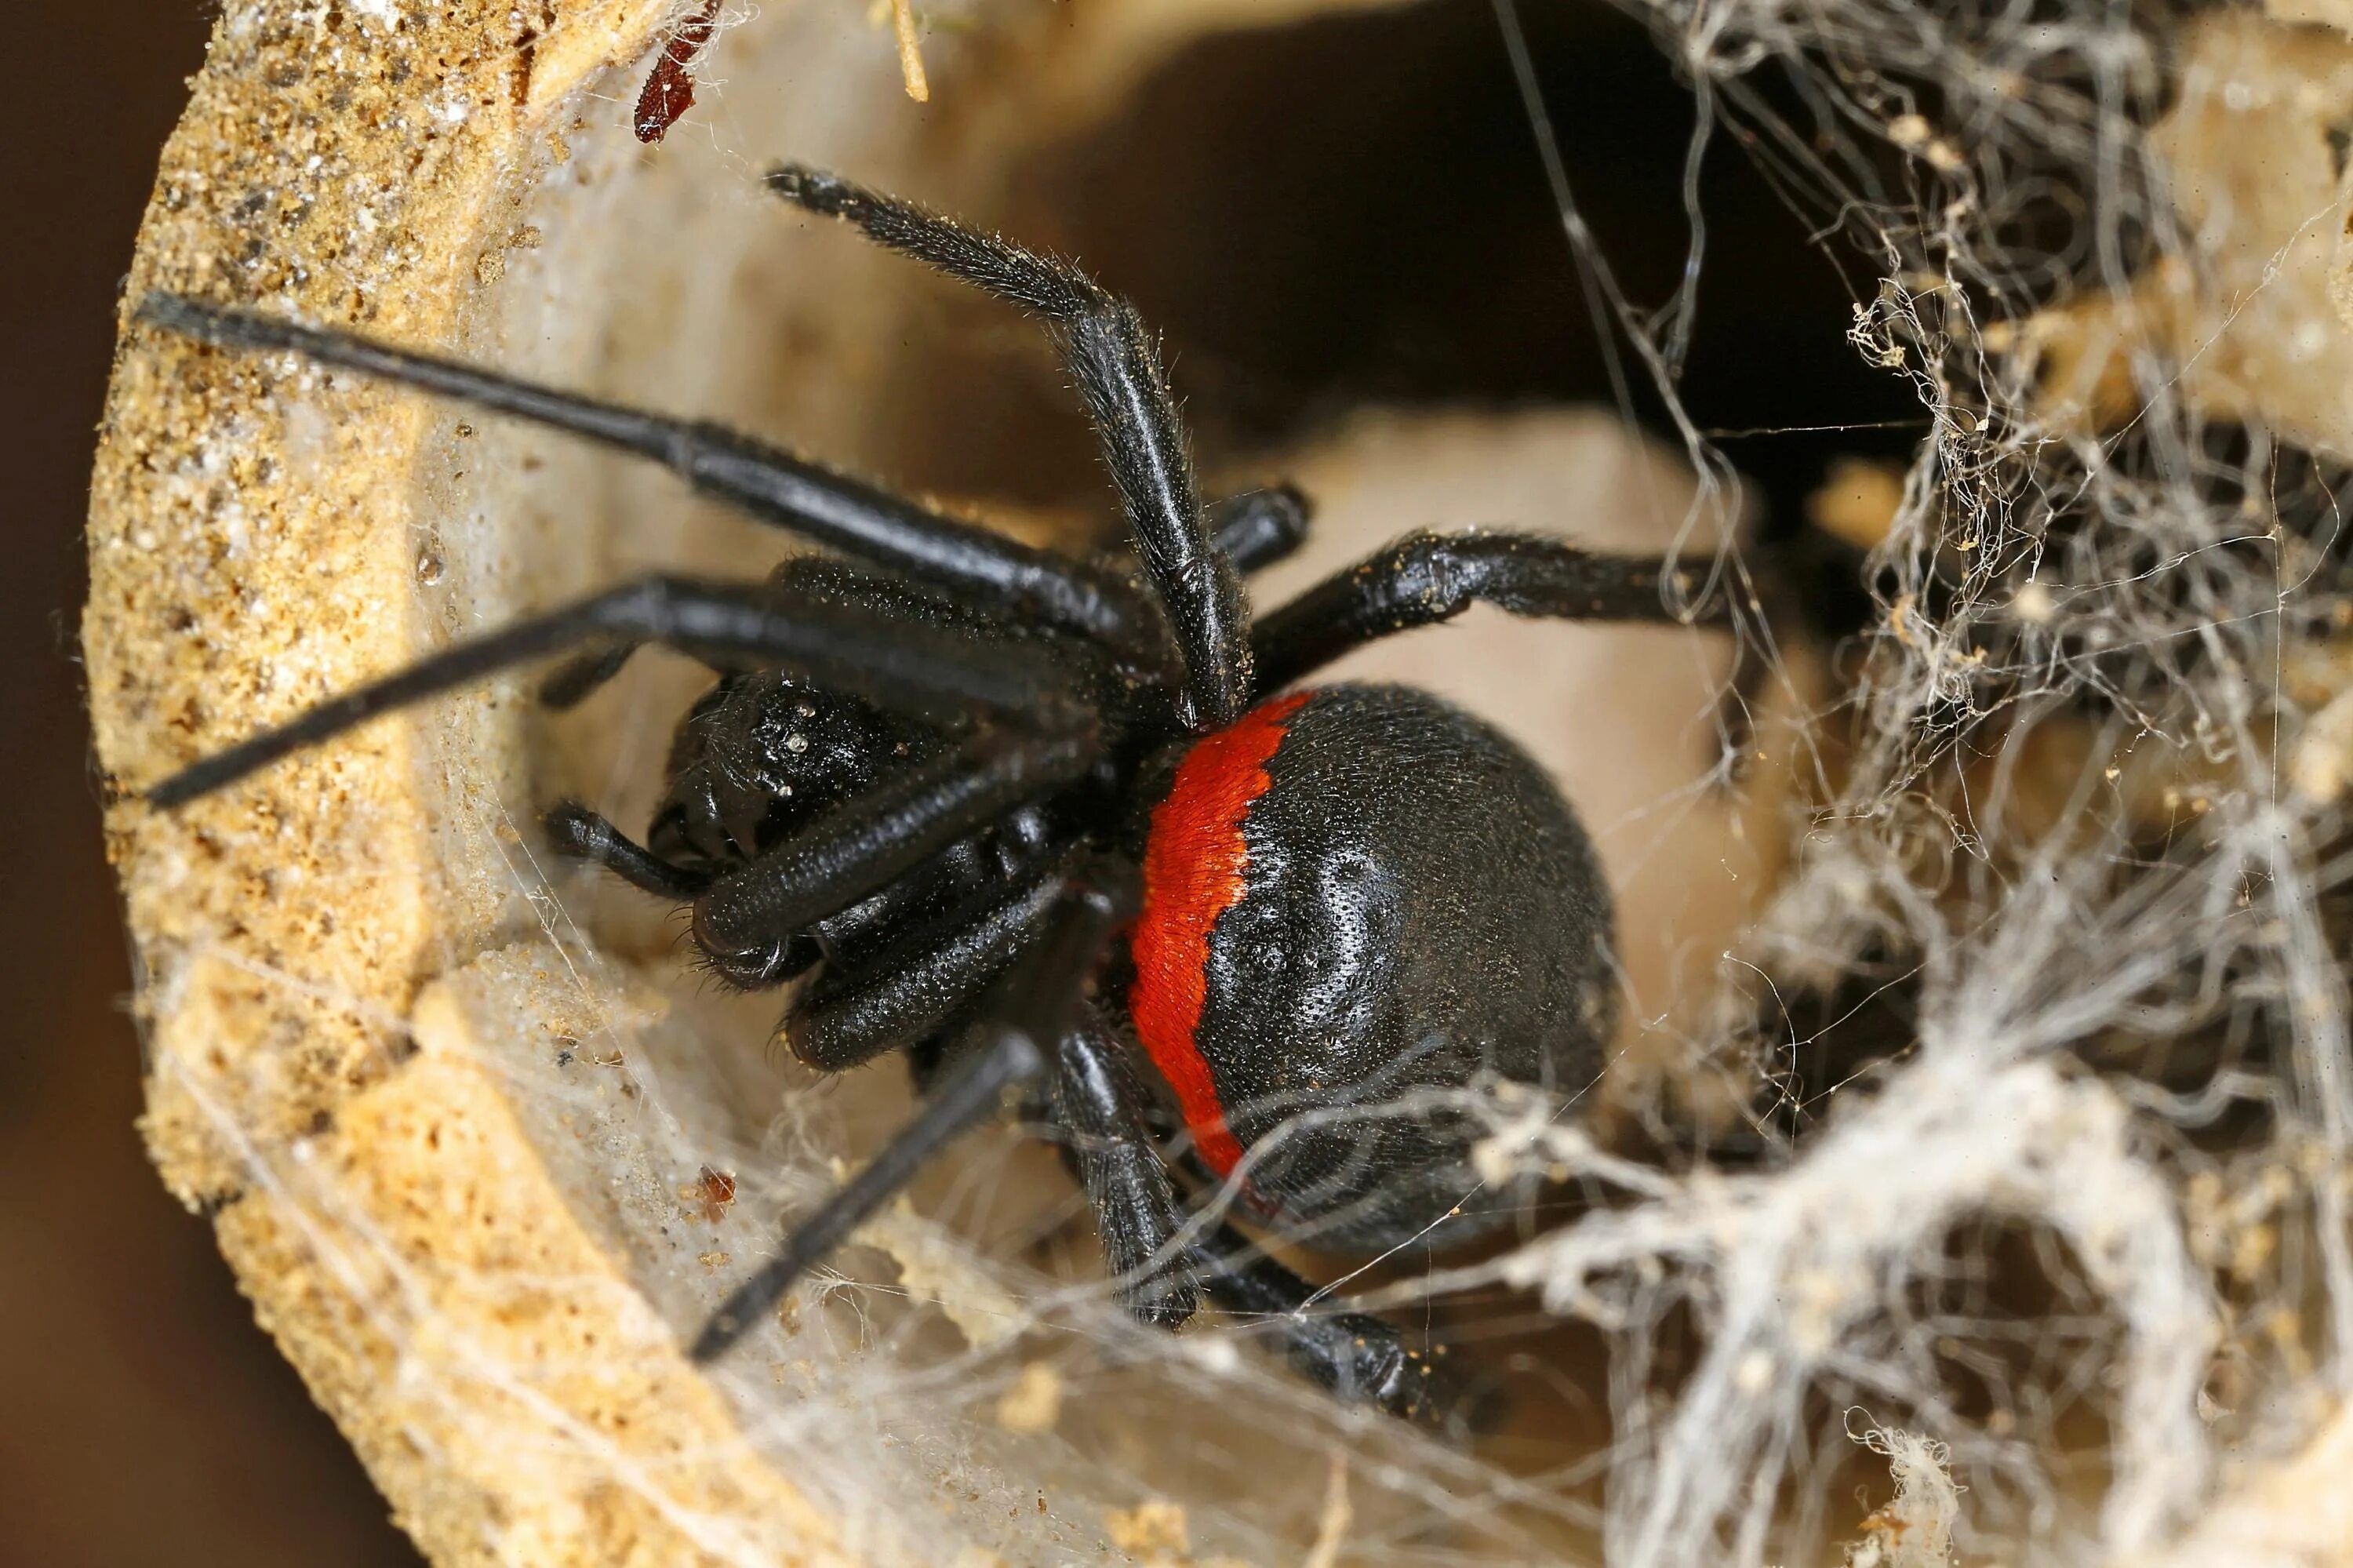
[[1421, 913], [922, 783]]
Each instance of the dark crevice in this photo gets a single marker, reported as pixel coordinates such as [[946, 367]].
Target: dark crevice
[[1352, 210]]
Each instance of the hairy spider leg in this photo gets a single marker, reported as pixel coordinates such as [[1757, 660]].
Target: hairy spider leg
[[895, 664], [880, 991], [1254, 529], [1356, 1355], [748, 917], [1021, 844], [1112, 355], [910, 990], [999, 576], [1427, 578], [1097, 1109], [1035, 1007]]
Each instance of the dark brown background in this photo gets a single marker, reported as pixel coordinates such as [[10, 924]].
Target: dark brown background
[[143, 1419]]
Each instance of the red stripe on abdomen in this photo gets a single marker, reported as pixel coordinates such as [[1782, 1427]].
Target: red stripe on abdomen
[[1193, 866]]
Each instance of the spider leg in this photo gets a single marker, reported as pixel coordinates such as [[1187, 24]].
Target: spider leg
[[1097, 1106], [577, 680], [1033, 1009], [914, 667], [1426, 577], [575, 830], [1012, 581], [798, 579], [747, 917], [1359, 1357], [1118, 367], [910, 990], [1258, 527], [955, 882], [1097, 1110]]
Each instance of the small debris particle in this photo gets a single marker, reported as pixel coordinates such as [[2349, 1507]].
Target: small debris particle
[[430, 567], [1915, 1529], [1156, 1527], [669, 91], [1857, 502], [713, 1259], [718, 1190], [1034, 1402], [910, 55], [526, 56]]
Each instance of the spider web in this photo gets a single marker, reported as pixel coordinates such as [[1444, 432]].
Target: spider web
[[2088, 807], [2072, 1226]]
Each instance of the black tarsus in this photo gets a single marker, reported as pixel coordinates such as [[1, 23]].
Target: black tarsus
[[1118, 367], [895, 664], [577, 680], [1036, 1005], [575, 830], [1258, 527], [1359, 1357], [1011, 581], [1427, 578]]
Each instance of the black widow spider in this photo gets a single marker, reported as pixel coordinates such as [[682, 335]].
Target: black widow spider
[[1020, 814]]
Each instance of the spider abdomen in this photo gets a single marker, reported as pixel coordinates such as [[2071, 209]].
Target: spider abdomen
[[1358, 901]]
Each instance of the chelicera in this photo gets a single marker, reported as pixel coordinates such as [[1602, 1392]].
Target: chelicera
[[1032, 819]]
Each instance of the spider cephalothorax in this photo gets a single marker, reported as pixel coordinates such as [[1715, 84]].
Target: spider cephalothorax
[[1028, 818]]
